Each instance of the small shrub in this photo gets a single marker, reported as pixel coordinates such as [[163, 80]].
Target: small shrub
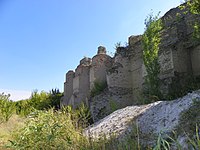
[[113, 105], [117, 45], [189, 119], [84, 116], [6, 107], [98, 88], [181, 85], [23, 108]]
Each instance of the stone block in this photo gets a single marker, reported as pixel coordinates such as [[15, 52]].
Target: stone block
[[195, 58]]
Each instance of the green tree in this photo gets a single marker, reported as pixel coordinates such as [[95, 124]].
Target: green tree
[[39, 101], [55, 96], [151, 40], [24, 107]]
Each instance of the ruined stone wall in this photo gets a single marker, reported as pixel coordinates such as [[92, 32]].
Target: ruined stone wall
[[119, 76], [84, 87], [179, 52], [100, 63], [179, 57], [79, 84], [68, 87], [177, 36], [137, 66], [195, 57]]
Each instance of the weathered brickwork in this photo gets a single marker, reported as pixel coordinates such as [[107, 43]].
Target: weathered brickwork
[[179, 56]]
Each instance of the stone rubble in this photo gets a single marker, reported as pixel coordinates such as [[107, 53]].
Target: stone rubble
[[161, 116]]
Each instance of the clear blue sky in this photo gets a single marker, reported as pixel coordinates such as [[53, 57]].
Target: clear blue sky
[[40, 40]]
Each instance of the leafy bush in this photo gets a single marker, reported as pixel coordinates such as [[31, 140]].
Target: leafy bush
[[84, 117], [81, 116], [57, 130], [48, 130], [23, 107], [45, 100], [40, 101], [6, 107], [54, 98]]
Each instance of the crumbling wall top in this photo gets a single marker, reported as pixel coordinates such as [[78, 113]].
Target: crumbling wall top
[[70, 73], [86, 61], [132, 40], [101, 50], [123, 51]]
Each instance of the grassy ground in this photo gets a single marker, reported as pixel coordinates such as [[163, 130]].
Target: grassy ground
[[6, 129], [50, 130]]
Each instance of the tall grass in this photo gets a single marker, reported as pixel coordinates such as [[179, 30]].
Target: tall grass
[[48, 130], [7, 129], [63, 129]]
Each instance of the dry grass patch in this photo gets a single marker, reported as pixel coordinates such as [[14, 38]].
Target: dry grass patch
[[7, 128]]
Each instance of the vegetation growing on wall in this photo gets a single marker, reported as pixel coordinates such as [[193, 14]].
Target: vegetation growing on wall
[[194, 8], [113, 105], [182, 85], [151, 40], [97, 88]]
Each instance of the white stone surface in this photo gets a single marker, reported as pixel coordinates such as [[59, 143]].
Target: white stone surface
[[152, 118]]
